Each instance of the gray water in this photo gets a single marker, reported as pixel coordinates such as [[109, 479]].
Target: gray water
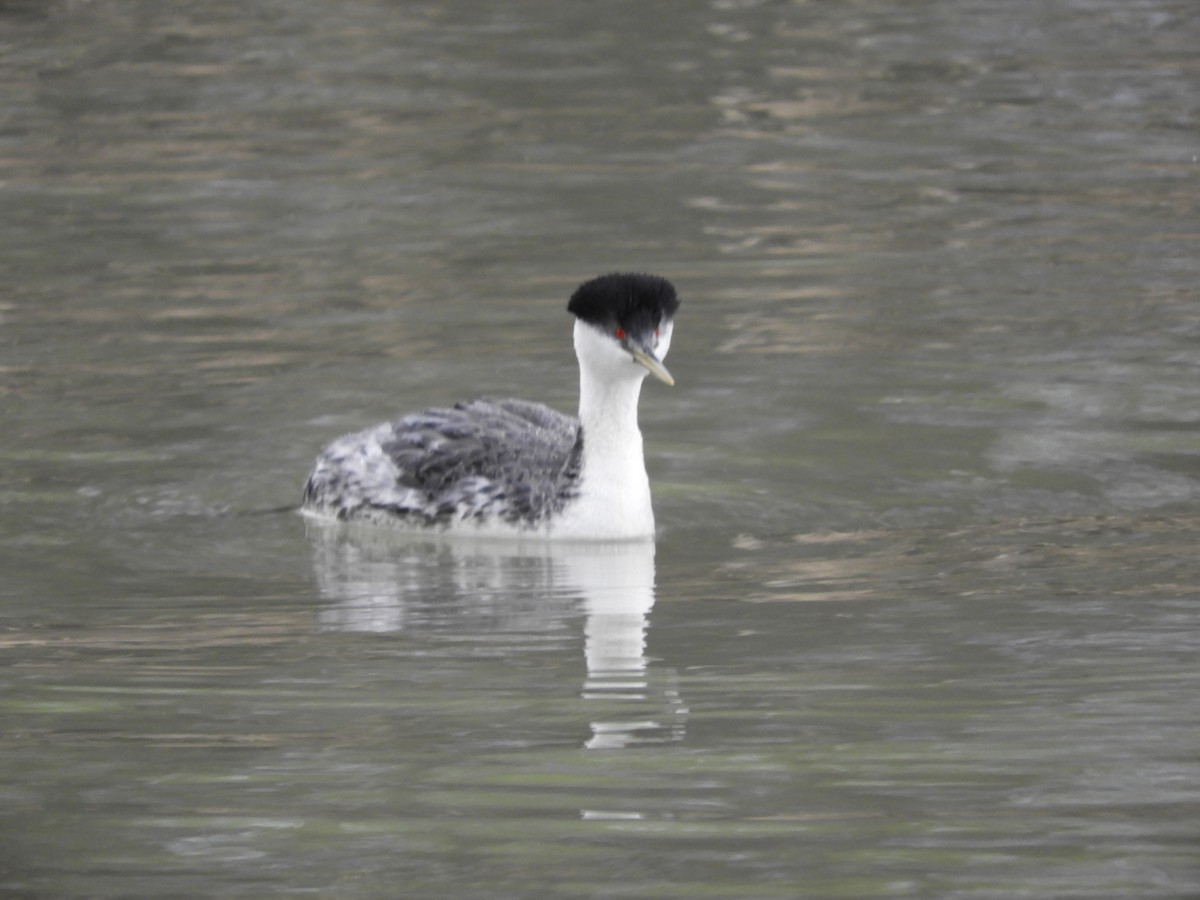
[[922, 618]]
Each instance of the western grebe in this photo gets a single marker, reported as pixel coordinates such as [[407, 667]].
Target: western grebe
[[515, 467]]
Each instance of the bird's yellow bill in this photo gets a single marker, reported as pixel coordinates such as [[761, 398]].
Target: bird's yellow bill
[[657, 369]]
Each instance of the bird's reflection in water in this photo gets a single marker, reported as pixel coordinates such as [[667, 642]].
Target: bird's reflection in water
[[382, 581]]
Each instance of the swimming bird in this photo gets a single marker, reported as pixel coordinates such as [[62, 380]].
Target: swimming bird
[[515, 467]]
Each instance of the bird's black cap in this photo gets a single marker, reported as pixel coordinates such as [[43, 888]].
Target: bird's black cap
[[636, 303]]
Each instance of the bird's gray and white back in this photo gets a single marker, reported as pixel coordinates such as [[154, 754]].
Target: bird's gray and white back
[[512, 460]]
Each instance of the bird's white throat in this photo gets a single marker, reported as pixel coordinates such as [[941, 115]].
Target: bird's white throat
[[614, 490]]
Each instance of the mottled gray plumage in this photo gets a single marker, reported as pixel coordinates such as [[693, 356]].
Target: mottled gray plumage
[[511, 460]]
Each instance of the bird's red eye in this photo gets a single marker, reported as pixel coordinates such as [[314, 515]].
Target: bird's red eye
[[658, 332], [620, 334]]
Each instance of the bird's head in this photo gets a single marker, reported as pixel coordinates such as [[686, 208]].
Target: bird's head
[[623, 324]]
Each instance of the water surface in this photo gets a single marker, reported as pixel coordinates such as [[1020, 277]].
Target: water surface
[[921, 620]]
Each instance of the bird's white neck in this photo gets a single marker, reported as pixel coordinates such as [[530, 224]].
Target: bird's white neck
[[613, 481], [614, 491], [612, 441]]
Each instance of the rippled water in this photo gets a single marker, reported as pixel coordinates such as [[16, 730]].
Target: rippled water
[[922, 618]]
